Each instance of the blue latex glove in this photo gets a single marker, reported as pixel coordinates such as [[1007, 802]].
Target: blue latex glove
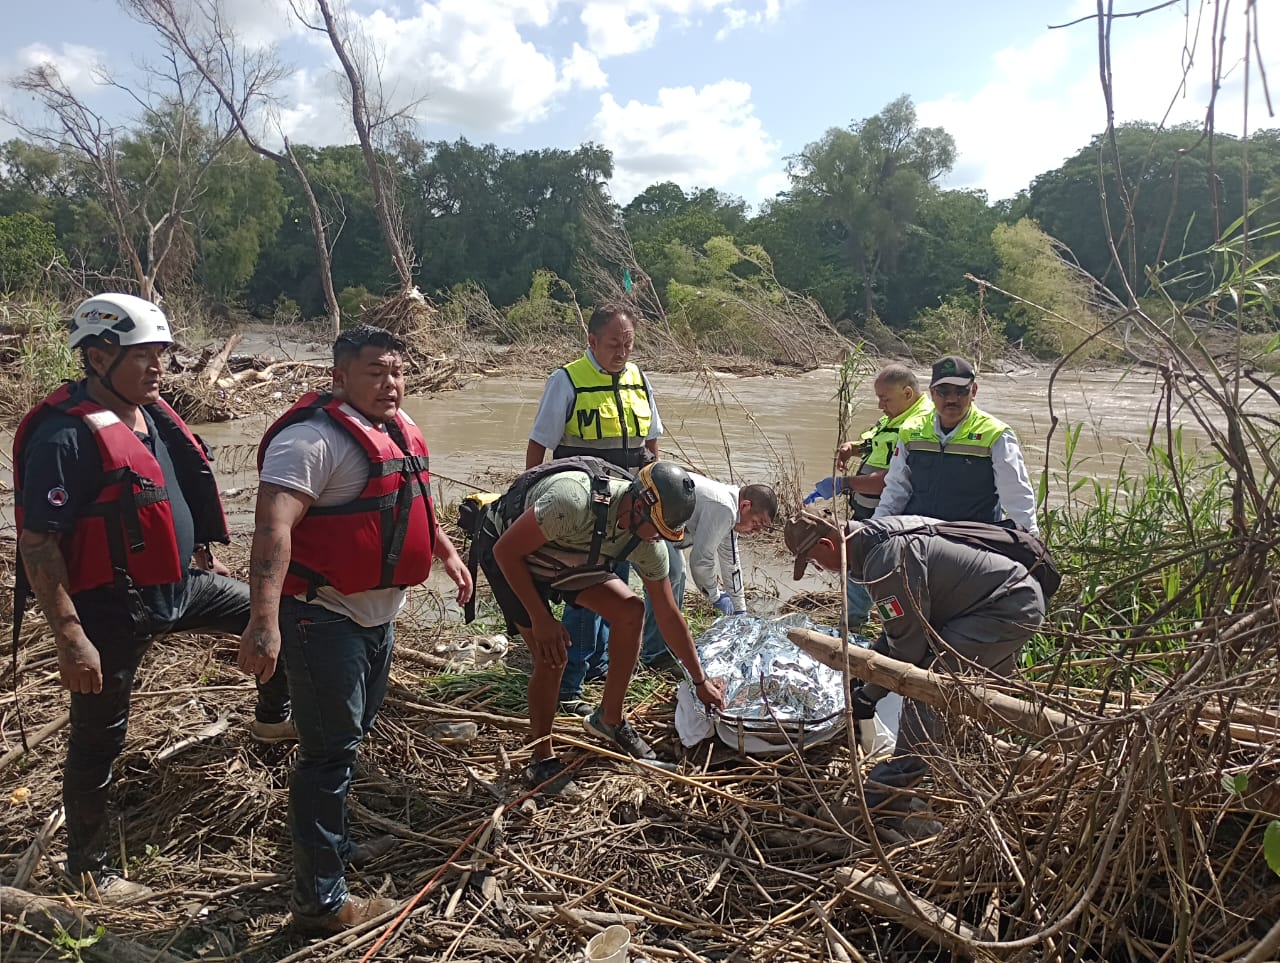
[[724, 604], [826, 488]]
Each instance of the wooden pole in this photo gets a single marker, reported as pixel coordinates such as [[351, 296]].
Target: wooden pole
[[966, 696]]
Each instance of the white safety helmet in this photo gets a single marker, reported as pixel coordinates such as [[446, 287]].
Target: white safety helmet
[[121, 319]]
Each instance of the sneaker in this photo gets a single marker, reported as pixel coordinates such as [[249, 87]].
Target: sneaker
[[622, 735], [574, 707], [451, 733], [549, 776], [113, 890], [362, 854], [354, 912], [273, 731]]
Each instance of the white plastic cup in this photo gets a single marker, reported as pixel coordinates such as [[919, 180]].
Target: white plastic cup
[[611, 946]]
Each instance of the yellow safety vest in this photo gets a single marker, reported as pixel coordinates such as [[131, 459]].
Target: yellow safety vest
[[611, 414], [878, 443], [956, 481]]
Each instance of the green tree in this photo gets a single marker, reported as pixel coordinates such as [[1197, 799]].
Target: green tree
[[868, 182], [494, 216], [951, 238], [808, 257], [1059, 309], [1170, 192], [28, 246], [665, 223]]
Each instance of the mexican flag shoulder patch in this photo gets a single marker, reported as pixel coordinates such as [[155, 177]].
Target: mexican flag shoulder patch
[[890, 608]]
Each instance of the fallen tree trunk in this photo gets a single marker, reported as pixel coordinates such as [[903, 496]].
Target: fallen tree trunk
[[49, 918], [967, 696]]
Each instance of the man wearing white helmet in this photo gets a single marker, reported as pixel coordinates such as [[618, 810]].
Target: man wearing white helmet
[[114, 495]]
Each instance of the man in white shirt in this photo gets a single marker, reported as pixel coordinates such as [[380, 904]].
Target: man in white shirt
[[344, 524], [721, 513], [960, 465]]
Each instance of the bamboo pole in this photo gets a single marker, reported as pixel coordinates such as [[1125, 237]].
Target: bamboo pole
[[966, 696]]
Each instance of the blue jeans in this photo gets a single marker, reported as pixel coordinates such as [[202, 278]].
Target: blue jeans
[[588, 645], [652, 646], [122, 630], [337, 681], [859, 602]]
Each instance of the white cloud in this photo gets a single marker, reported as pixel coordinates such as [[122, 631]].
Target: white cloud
[[1044, 100], [736, 18], [582, 69], [697, 138], [465, 61], [259, 23], [617, 27], [614, 29], [78, 66], [771, 185]]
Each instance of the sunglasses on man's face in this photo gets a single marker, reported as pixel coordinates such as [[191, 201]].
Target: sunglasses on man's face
[[952, 391]]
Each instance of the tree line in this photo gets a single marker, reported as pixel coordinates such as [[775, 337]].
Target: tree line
[[864, 229]]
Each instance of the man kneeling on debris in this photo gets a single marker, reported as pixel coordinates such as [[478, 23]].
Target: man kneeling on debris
[[945, 605], [556, 535]]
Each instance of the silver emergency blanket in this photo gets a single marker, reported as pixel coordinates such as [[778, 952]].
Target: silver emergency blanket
[[776, 696]]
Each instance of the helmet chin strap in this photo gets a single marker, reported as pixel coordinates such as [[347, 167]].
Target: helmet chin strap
[[105, 378]]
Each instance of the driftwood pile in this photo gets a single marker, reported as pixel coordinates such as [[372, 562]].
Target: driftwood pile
[[218, 384], [1077, 826]]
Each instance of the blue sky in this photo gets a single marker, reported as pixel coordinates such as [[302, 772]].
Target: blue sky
[[709, 93]]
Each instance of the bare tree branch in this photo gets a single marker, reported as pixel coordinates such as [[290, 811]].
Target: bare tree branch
[[243, 82]]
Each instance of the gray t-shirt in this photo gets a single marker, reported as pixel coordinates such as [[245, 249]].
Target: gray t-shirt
[[320, 459], [561, 504]]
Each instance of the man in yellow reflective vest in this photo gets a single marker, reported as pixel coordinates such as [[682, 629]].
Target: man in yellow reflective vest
[[601, 405], [960, 465], [899, 397]]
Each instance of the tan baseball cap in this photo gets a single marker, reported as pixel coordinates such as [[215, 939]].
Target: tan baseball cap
[[801, 533]]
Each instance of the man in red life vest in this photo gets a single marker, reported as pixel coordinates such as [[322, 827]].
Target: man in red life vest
[[345, 523], [115, 498]]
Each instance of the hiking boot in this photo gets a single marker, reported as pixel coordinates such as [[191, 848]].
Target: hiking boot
[[354, 912], [451, 733], [362, 854], [574, 707], [548, 776], [113, 890], [622, 735], [284, 731]]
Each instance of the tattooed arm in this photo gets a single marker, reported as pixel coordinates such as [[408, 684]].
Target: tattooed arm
[[78, 661], [278, 510]]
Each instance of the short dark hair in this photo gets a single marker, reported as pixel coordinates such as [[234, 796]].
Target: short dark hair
[[352, 341], [606, 311], [762, 499]]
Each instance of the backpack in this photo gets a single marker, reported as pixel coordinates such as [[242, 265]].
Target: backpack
[[1004, 539], [511, 505]]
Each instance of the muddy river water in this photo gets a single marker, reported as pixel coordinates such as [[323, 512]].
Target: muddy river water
[[766, 428]]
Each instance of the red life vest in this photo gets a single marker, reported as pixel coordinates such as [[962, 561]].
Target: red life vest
[[386, 536], [126, 536]]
